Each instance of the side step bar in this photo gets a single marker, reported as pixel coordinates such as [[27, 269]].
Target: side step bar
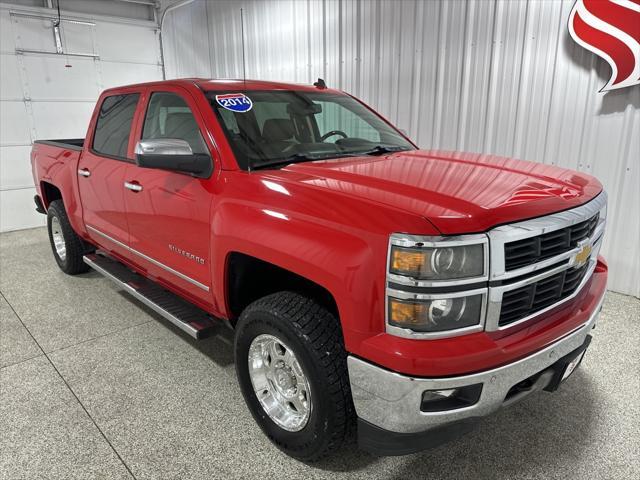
[[182, 314]]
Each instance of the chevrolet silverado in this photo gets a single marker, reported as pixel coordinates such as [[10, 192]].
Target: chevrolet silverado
[[377, 291]]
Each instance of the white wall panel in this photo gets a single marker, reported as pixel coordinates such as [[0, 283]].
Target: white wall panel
[[500, 77], [138, 10], [78, 38], [190, 24], [14, 124], [15, 169], [14, 215], [127, 43], [43, 98], [7, 39], [10, 84], [33, 33], [51, 79], [116, 74], [46, 117]]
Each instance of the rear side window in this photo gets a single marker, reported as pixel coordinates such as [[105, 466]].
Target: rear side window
[[114, 125]]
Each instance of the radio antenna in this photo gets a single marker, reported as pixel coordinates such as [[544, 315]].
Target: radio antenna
[[244, 63]]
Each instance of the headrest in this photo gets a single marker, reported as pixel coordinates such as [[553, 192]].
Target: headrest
[[277, 129]]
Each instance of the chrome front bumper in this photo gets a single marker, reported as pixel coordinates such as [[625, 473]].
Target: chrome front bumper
[[392, 401]]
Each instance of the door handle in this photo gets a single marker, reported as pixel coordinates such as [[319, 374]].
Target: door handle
[[83, 172], [134, 187]]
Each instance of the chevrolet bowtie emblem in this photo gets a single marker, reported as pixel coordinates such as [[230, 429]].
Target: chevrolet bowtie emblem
[[583, 255]]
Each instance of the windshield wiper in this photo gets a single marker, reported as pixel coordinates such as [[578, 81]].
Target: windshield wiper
[[382, 149], [303, 157], [300, 157]]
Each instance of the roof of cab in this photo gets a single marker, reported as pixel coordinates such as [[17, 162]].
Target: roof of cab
[[239, 84], [207, 84]]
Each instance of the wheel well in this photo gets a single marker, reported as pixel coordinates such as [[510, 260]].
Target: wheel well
[[50, 193], [249, 278]]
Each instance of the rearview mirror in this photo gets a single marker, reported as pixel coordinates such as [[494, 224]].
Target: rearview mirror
[[173, 154], [308, 109]]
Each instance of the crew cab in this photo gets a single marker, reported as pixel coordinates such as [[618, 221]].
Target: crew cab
[[376, 291]]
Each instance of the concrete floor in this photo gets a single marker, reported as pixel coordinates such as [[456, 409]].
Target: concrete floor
[[94, 385]]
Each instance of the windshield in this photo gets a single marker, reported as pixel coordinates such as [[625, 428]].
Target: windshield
[[271, 128]]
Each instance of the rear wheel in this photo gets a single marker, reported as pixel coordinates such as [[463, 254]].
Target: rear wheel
[[68, 248], [292, 370]]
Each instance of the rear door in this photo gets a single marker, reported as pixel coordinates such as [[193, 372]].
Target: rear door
[[168, 212], [101, 171]]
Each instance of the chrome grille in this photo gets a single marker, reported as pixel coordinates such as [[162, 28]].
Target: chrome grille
[[540, 263], [535, 249], [524, 301]]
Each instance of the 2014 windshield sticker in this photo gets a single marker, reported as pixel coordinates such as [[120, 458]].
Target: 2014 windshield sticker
[[236, 102]]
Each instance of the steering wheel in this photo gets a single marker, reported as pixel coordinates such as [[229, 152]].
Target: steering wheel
[[332, 133]]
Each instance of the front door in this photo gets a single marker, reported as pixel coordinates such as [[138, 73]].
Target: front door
[[101, 171], [168, 212]]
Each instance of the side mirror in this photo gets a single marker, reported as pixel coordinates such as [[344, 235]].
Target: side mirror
[[172, 154]]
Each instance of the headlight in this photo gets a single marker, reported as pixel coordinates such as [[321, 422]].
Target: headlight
[[437, 314], [436, 286], [438, 263]]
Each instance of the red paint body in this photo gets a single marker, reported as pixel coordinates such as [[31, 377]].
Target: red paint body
[[328, 221]]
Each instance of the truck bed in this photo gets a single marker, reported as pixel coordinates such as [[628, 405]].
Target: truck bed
[[68, 143]]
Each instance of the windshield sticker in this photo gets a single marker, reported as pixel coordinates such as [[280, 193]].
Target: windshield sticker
[[236, 102]]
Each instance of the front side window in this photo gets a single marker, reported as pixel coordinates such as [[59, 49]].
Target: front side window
[[283, 127], [113, 126], [169, 116]]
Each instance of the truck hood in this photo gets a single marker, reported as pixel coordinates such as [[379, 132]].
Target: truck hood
[[456, 192]]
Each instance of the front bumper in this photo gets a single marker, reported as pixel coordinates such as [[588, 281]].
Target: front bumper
[[388, 401]]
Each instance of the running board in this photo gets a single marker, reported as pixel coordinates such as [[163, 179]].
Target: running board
[[187, 317]]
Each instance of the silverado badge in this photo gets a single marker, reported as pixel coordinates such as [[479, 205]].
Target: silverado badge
[[186, 254]]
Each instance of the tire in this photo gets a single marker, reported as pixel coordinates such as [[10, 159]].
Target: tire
[[314, 336], [70, 249]]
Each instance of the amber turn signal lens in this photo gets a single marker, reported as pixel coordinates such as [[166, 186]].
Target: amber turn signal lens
[[435, 315], [407, 314], [408, 261]]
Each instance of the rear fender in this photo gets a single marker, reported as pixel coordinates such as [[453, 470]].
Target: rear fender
[[57, 167]]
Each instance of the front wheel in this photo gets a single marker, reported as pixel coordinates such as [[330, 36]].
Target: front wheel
[[292, 370]]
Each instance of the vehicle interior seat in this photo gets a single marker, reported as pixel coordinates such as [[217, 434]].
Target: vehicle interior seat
[[278, 134], [183, 125]]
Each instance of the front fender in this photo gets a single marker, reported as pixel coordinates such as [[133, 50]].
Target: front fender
[[348, 260]]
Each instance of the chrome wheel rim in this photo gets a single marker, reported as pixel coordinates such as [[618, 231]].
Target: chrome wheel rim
[[58, 238], [279, 382]]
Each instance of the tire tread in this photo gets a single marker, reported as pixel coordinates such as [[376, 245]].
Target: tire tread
[[76, 247], [322, 333]]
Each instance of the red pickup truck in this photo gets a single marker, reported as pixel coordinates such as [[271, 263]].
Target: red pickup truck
[[377, 291]]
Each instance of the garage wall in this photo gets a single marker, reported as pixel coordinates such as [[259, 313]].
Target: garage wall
[[499, 77], [47, 95]]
